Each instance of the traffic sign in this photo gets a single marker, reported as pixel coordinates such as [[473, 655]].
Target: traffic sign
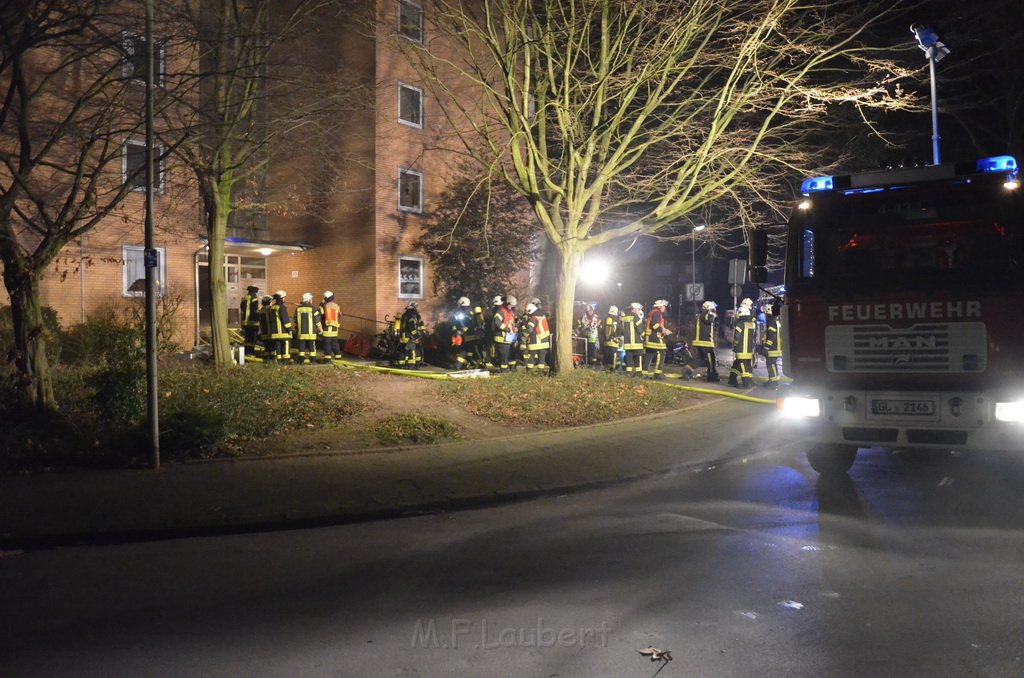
[[694, 291]]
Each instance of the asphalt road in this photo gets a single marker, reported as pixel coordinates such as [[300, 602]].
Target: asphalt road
[[910, 567]]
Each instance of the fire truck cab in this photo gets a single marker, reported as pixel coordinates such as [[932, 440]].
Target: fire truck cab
[[903, 313]]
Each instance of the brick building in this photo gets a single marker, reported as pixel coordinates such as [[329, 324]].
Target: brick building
[[361, 245]]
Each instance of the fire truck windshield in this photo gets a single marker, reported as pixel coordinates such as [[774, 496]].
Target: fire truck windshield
[[958, 236]]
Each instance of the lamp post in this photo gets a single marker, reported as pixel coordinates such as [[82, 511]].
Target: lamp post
[[928, 40], [693, 265]]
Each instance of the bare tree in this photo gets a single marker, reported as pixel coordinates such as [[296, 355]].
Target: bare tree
[[620, 119], [70, 99], [252, 94]]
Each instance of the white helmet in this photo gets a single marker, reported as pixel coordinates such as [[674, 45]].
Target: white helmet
[[496, 300], [661, 302], [280, 293], [637, 305], [511, 301], [308, 296], [463, 301], [709, 306], [328, 294], [530, 308], [613, 310], [748, 302], [743, 312], [411, 304]]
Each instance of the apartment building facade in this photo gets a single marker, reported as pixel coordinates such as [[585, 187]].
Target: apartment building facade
[[374, 185]]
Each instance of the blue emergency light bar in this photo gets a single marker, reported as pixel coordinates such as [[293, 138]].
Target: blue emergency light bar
[[998, 163], [816, 184]]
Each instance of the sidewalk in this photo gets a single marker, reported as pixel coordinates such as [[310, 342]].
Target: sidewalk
[[229, 496]]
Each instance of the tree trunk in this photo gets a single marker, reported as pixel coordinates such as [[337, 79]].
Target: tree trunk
[[570, 258], [217, 230], [35, 384]]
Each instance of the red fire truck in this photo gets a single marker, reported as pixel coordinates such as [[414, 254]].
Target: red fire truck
[[903, 311]]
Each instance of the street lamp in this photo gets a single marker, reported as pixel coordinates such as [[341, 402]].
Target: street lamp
[[928, 40], [693, 265]]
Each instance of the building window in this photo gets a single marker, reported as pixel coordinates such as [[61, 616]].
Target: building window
[[410, 20], [133, 166], [410, 105], [410, 277], [662, 270], [410, 190], [133, 65], [133, 270]]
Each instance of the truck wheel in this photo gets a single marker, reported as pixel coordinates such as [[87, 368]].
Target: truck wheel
[[830, 458]]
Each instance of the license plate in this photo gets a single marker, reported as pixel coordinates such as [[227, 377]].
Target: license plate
[[903, 408]]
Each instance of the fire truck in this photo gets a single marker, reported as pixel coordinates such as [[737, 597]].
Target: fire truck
[[903, 311]]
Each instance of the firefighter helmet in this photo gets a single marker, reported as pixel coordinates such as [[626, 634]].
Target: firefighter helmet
[[748, 302], [613, 310], [496, 300], [709, 306], [252, 289], [280, 293], [743, 312], [769, 309], [328, 294], [535, 301], [307, 296], [463, 301], [511, 301], [661, 302], [530, 308]]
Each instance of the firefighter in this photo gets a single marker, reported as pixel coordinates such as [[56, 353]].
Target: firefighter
[[503, 331], [704, 339], [589, 327], [462, 333], [538, 338], [330, 319], [263, 315], [479, 349], [280, 326], [307, 328], [611, 338], [249, 317], [654, 341], [743, 335], [410, 334], [771, 348], [632, 326]]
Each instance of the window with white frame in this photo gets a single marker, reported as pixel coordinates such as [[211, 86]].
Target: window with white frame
[[133, 166], [410, 277], [133, 64], [410, 105], [410, 190], [133, 270], [410, 20]]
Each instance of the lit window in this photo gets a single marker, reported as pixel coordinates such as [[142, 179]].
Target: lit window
[[410, 105], [133, 166], [133, 65], [410, 277], [410, 20], [133, 270], [410, 190]]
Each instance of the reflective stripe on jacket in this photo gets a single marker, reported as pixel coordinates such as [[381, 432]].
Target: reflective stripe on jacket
[[330, 316], [280, 326], [250, 311], [306, 320], [654, 331], [704, 335], [632, 332], [743, 338]]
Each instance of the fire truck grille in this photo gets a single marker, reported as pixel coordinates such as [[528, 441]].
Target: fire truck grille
[[924, 348]]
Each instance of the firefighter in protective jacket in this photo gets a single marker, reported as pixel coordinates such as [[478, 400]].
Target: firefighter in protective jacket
[[743, 337], [280, 326], [249, 316], [704, 339], [307, 327], [771, 347], [632, 325], [504, 330], [410, 334], [538, 338], [611, 338], [654, 340], [330, 318]]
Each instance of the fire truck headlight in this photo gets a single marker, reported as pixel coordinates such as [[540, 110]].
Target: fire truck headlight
[[798, 407], [1011, 412]]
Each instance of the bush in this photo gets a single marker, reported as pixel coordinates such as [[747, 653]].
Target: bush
[[104, 339], [192, 433], [120, 393], [414, 428]]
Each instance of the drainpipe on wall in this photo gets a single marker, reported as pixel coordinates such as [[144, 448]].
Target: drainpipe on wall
[[81, 278], [195, 271]]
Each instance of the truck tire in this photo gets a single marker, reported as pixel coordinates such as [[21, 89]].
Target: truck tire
[[831, 458]]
